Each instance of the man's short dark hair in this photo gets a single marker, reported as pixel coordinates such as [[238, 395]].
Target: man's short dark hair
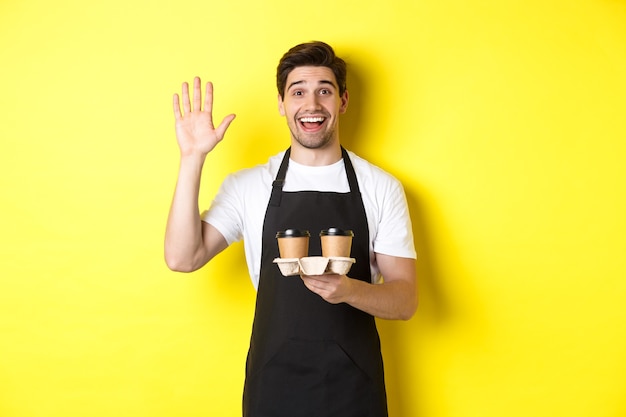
[[315, 54]]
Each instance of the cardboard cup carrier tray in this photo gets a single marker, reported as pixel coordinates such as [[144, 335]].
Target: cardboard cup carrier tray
[[314, 265]]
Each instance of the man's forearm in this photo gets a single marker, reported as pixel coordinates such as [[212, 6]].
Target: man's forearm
[[396, 300], [184, 249]]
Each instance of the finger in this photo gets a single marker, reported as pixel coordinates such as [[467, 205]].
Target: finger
[[197, 94], [186, 102], [208, 98], [309, 283], [221, 129], [177, 114], [313, 282]]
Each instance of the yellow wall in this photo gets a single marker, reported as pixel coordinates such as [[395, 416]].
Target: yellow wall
[[504, 119]]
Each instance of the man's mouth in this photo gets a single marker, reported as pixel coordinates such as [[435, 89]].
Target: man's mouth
[[311, 123]]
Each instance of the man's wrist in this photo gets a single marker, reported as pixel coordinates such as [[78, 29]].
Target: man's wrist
[[192, 160]]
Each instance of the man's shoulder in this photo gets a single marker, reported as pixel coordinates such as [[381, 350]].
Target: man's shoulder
[[366, 170]]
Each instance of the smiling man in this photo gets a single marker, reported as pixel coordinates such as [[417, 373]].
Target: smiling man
[[311, 104], [314, 349]]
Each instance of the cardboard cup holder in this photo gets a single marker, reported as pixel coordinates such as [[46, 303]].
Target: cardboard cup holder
[[314, 265]]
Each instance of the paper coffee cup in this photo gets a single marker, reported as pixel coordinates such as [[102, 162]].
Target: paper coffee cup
[[336, 242], [293, 243]]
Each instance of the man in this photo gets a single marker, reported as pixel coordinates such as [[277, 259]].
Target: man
[[314, 349]]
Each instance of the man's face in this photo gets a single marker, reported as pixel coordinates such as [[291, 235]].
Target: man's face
[[312, 106]]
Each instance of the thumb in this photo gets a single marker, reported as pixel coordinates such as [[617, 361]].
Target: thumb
[[221, 129]]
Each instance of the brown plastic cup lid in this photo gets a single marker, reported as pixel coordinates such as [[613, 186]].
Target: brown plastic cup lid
[[293, 233], [335, 231]]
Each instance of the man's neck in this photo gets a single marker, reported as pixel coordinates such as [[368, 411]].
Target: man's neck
[[316, 157]]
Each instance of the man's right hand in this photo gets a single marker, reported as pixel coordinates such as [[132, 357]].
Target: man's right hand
[[195, 131]]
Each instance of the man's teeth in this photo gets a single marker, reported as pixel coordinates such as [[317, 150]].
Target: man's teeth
[[312, 119]]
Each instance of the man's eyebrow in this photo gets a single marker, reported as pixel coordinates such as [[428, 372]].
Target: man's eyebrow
[[323, 82]]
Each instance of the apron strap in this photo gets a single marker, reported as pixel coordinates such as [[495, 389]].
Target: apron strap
[[279, 182], [352, 182]]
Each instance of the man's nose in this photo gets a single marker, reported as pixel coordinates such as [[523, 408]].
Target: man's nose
[[312, 102]]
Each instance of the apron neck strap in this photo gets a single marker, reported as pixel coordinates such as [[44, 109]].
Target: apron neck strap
[[279, 181], [352, 182]]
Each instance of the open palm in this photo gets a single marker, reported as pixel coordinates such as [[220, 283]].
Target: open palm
[[195, 131]]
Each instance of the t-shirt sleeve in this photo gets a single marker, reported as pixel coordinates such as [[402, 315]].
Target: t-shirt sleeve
[[395, 233], [225, 211]]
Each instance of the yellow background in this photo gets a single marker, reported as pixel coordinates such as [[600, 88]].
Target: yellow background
[[504, 119]]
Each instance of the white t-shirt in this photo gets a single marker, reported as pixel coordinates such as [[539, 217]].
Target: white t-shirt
[[238, 210]]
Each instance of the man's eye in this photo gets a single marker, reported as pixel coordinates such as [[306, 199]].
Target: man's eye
[[297, 93], [324, 91]]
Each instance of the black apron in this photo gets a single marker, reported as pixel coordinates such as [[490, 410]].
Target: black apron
[[307, 357]]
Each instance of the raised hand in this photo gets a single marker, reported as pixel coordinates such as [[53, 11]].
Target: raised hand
[[195, 131]]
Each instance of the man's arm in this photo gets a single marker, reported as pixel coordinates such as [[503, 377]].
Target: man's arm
[[395, 299], [189, 242]]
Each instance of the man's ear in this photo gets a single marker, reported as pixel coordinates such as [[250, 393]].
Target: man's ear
[[344, 102], [281, 106]]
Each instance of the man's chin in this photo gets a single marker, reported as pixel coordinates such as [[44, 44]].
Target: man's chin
[[313, 141], [313, 144]]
